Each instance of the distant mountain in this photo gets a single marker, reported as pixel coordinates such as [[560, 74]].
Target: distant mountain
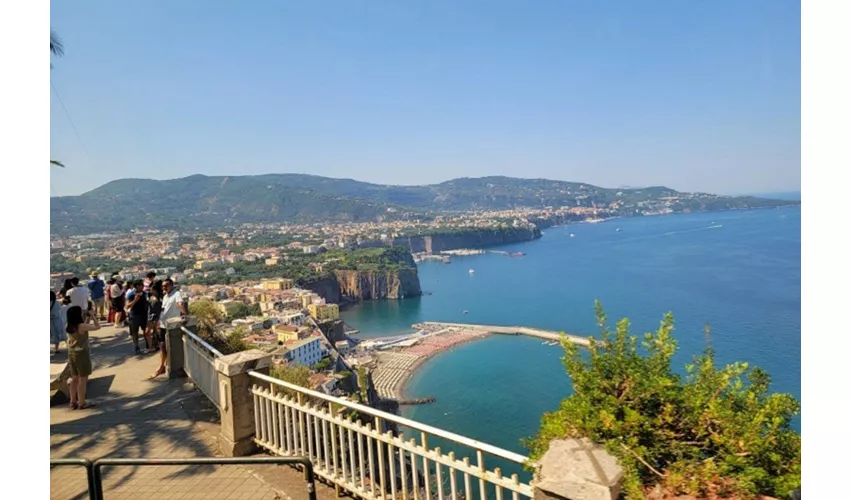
[[203, 201]]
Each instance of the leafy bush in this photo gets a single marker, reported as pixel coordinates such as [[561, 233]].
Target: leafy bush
[[715, 433], [292, 373]]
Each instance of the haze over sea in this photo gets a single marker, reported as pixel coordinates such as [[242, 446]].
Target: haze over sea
[[737, 271]]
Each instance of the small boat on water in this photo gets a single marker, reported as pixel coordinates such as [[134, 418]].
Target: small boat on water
[[572, 235], [465, 311], [472, 271], [618, 229]]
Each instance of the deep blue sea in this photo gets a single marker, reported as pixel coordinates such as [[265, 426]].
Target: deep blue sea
[[737, 271]]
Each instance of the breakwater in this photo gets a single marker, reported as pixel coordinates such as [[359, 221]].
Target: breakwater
[[506, 330], [417, 401]]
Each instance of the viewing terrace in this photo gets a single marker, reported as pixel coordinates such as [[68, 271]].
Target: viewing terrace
[[210, 405]]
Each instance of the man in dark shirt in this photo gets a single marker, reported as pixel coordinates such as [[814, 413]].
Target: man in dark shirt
[[137, 305]]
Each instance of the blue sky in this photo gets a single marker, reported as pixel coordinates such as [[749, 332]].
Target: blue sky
[[696, 95]]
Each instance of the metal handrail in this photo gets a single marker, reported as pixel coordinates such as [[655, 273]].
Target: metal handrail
[[203, 342], [79, 462], [434, 431], [309, 477]]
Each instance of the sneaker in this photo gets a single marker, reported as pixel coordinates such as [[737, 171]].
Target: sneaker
[[138, 351]]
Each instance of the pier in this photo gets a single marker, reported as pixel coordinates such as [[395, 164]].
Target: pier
[[510, 330]]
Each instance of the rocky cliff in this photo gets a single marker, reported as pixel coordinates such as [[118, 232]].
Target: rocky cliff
[[389, 284], [327, 288], [471, 238]]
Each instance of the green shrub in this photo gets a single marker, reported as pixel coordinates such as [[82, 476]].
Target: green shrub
[[716, 432]]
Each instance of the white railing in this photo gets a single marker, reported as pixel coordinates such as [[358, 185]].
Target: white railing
[[199, 364], [368, 460]]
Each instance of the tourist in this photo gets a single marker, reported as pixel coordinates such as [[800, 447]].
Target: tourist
[[108, 291], [116, 291], [57, 322], [172, 307], [154, 310], [149, 279], [66, 287], [137, 309], [96, 290], [79, 356], [79, 294]]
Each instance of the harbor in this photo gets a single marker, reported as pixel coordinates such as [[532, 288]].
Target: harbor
[[446, 255]]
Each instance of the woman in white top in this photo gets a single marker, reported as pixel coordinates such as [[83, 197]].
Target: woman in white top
[[116, 291]]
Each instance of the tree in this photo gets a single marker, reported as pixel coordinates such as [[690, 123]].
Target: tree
[[322, 365], [208, 315], [240, 310], [717, 432], [233, 342]]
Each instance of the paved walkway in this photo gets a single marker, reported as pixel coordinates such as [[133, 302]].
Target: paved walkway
[[134, 417]]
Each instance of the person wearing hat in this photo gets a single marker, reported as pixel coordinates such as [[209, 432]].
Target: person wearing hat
[[98, 295]]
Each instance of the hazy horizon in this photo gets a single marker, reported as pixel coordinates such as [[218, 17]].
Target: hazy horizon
[[693, 96]]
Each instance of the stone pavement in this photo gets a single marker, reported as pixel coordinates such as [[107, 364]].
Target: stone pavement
[[134, 417]]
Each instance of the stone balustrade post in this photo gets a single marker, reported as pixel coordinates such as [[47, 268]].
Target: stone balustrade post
[[236, 401], [576, 469], [175, 359]]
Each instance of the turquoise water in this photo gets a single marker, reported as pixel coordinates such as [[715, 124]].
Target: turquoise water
[[737, 271]]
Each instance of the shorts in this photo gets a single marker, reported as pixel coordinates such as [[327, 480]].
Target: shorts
[[80, 363], [136, 324], [159, 338], [118, 304]]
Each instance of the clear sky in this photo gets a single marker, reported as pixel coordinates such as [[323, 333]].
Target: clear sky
[[697, 95]]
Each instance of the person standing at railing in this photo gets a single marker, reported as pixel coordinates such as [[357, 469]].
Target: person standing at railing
[[137, 310], [172, 307], [79, 356], [154, 311]]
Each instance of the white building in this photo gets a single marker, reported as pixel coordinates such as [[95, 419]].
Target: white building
[[305, 352], [294, 318]]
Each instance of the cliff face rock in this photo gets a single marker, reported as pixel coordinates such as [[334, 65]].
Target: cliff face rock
[[370, 285], [327, 288], [478, 238]]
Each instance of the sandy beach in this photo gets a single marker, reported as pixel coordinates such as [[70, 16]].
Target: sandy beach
[[398, 364]]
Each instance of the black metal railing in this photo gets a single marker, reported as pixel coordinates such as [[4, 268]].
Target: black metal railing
[[94, 470], [78, 462]]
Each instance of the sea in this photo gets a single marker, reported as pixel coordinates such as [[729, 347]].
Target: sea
[[736, 271]]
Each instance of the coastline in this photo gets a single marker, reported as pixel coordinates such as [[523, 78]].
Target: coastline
[[396, 366]]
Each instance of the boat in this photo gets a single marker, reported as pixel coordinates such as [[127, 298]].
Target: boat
[[472, 271], [517, 254], [572, 235], [465, 311], [618, 229]]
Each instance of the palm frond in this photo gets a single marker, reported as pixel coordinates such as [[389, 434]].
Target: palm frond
[[57, 48], [56, 163]]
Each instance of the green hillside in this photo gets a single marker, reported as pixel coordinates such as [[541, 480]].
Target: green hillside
[[202, 201]]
